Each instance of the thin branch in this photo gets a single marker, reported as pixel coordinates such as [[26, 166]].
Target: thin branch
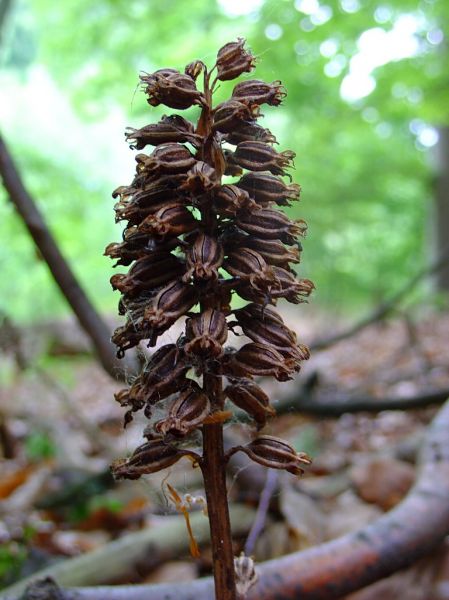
[[336, 406], [271, 484], [385, 308], [88, 317]]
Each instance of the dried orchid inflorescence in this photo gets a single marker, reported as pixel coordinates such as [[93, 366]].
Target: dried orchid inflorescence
[[191, 241]]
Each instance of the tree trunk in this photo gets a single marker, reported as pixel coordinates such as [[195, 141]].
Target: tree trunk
[[441, 226]]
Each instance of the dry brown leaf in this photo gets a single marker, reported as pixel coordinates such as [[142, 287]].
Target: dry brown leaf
[[349, 513], [173, 571], [303, 516], [273, 542], [10, 481], [382, 481]]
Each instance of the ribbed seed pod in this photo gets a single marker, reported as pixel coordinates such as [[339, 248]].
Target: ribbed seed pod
[[204, 257], [252, 399], [265, 189], [258, 156], [191, 241], [173, 128], [254, 91], [274, 453], [271, 225], [186, 413], [147, 458], [206, 334]]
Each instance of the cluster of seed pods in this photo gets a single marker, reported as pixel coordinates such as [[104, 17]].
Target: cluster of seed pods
[[191, 242]]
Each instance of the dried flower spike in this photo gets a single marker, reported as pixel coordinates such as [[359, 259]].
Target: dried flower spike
[[192, 241]]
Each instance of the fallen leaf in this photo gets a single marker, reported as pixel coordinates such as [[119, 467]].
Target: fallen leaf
[[382, 481]]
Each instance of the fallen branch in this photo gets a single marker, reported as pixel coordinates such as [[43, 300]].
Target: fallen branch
[[331, 570], [88, 317], [335, 406], [385, 308], [119, 558]]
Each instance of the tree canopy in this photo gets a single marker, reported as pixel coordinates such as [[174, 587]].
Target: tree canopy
[[367, 86]]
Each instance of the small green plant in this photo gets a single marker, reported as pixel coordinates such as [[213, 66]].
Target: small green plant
[[39, 446]]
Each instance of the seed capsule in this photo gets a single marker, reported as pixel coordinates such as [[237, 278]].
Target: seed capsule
[[260, 360], [232, 114], [252, 399], [120, 251], [233, 60], [201, 178], [204, 258], [254, 91], [272, 225], [164, 374], [229, 200], [169, 87], [274, 453], [186, 413], [126, 337], [250, 266], [172, 128], [292, 289], [173, 301], [154, 194], [148, 458], [250, 132], [194, 69], [165, 158], [274, 252], [148, 273], [266, 188], [134, 214], [172, 220], [231, 167], [268, 329], [133, 397], [206, 334], [257, 156]]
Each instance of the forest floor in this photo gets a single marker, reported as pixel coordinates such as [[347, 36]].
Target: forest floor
[[60, 429]]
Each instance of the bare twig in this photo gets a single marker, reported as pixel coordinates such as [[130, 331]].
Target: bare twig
[[385, 308], [331, 570], [85, 312], [336, 406], [271, 484]]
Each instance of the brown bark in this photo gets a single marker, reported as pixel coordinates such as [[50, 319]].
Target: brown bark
[[441, 220], [330, 571], [85, 312]]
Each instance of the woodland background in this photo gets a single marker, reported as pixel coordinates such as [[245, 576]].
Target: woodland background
[[367, 115]]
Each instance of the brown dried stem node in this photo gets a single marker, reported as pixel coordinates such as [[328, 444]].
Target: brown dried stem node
[[191, 242]]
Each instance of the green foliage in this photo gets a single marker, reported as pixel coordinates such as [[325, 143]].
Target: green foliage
[[12, 556], [39, 446], [365, 177]]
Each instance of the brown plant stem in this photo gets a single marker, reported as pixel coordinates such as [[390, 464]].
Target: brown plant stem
[[88, 317], [213, 463], [213, 468]]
